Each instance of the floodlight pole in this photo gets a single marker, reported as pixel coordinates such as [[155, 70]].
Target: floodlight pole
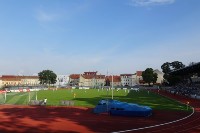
[[5, 96], [29, 98], [36, 96], [112, 86]]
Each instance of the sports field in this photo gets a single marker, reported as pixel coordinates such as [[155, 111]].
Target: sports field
[[89, 98]]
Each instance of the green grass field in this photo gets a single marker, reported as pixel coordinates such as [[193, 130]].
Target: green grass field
[[90, 98]]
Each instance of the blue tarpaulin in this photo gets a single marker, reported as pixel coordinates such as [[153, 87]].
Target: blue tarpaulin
[[115, 107]]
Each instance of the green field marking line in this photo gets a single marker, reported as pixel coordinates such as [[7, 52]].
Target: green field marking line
[[17, 98], [11, 96], [11, 99], [2, 98], [22, 100]]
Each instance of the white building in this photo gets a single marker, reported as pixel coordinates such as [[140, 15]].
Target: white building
[[126, 79], [62, 80], [160, 76]]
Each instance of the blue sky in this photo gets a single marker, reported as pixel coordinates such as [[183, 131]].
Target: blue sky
[[73, 36]]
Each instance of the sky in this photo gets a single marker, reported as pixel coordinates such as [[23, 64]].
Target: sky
[[114, 36]]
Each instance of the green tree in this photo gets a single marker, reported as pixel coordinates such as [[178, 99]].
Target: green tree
[[169, 67], [177, 65], [166, 67], [155, 77], [47, 77], [149, 76]]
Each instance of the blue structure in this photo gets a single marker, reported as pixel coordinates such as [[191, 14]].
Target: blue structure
[[118, 108]]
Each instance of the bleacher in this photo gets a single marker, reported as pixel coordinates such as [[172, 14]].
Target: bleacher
[[183, 89], [190, 86]]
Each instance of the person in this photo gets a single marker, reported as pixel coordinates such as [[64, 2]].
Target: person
[[188, 104], [45, 101], [74, 95]]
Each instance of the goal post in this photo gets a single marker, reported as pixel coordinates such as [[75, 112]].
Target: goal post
[[3, 96]]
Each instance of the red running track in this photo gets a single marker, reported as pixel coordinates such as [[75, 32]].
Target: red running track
[[189, 125], [38, 119]]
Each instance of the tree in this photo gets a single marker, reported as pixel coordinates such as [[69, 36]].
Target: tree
[[107, 82], [169, 67], [166, 67], [149, 76], [155, 77], [177, 65], [47, 77], [191, 63]]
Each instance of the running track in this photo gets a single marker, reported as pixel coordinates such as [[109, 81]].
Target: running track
[[37, 119], [189, 125]]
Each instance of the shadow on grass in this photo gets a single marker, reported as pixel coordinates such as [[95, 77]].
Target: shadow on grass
[[142, 98]]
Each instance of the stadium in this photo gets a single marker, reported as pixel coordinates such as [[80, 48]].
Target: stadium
[[72, 110]]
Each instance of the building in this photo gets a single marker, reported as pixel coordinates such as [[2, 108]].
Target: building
[[160, 76], [86, 80], [99, 81], [137, 78], [92, 80], [116, 80], [126, 79], [12, 80], [30, 80], [62, 80], [74, 79], [90, 73]]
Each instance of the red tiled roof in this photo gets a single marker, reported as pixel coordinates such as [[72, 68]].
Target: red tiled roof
[[115, 78], [31, 77], [74, 76], [126, 74], [9, 76], [93, 76], [88, 76], [139, 73], [16, 78]]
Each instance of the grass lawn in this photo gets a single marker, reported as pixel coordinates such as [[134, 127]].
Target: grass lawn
[[89, 98]]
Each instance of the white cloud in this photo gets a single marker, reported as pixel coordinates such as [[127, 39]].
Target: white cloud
[[150, 2]]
